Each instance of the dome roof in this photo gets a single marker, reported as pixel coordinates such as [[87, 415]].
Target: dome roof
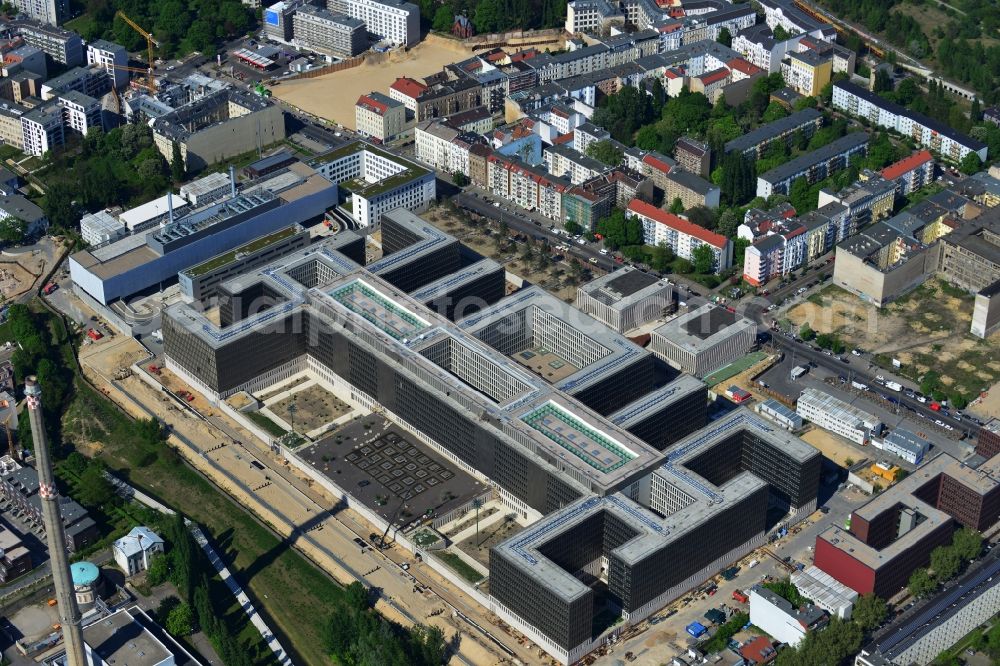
[[84, 573]]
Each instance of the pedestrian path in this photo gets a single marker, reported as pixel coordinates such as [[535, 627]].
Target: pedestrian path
[[241, 596]]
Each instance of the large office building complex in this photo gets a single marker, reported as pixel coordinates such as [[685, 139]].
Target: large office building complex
[[894, 533], [704, 340], [625, 299], [374, 181], [631, 497], [323, 31]]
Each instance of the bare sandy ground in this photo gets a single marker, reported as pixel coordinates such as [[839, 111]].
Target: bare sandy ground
[[333, 96]]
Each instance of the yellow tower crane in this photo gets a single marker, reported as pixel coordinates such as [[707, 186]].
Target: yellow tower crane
[[150, 43]]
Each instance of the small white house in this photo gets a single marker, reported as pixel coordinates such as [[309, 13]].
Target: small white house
[[134, 551]]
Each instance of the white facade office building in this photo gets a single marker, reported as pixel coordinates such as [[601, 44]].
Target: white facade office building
[[625, 299], [395, 22], [101, 227], [839, 417], [113, 58]]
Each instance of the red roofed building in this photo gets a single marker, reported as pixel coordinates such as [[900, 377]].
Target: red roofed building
[[408, 91], [526, 186], [711, 83], [679, 234], [655, 167], [758, 651], [379, 117], [911, 173], [743, 69]]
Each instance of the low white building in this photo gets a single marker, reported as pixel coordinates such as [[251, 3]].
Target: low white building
[[777, 412], [101, 227], [826, 591], [780, 619], [134, 551], [151, 213], [839, 417], [906, 445]]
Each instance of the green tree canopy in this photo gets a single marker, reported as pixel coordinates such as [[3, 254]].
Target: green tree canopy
[[869, 612], [12, 229], [605, 152], [921, 583], [180, 621], [703, 259]]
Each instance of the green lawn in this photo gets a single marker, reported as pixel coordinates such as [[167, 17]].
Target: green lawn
[[267, 424], [460, 566], [734, 368]]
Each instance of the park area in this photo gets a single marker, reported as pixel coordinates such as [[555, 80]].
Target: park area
[[332, 96], [928, 329]]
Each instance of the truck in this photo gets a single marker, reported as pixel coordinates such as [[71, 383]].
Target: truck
[[859, 386], [740, 597], [94, 334], [49, 288], [696, 629], [798, 371], [894, 386]]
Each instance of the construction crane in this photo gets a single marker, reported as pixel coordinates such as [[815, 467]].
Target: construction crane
[[149, 84], [150, 43]]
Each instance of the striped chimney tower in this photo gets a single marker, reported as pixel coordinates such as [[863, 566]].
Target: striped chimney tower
[[69, 614]]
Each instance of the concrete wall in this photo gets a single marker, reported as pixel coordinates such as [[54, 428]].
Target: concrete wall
[[228, 138], [879, 288]]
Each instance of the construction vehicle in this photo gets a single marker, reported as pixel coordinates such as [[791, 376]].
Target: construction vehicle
[[150, 43], [261, 90]]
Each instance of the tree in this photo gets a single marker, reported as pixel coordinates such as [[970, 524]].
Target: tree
[[444, 18], [59, 206], [869, 612], [774, 111], [806, 332], [159, 569], [729, 222], [703, 259], [780, 34], [921, 584], [967, 543], [740, 246], [177, 168], [677, 206], [12, 229], [725, 38], [970, 164], [704, 217], [605, 152], [460, 179], [94, 488], [180, 621], [945, 562], [883, 81], [573, 227], [739, 178]]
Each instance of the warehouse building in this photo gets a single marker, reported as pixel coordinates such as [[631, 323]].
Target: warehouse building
[[841, 418], [895, 532], [777, 412], [625, 299], [704, 340]]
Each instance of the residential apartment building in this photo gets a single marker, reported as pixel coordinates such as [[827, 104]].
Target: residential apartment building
[[710, 84], [868, 200], [680, 235], [450, 150], [321, 30], [793, 20], [81, 113], [565, 162], [393, 21], [112, 58], [11, 132], [926, 132], [839, 417], [42, 129], [813, 166], [758, 46], [51, 12], [380, 117], [911, 173], [691, 189], [529, 187], [807, 72], [407, 91], [775, 255], [755, 143], [592, 16], [64, 46], [693, 156]]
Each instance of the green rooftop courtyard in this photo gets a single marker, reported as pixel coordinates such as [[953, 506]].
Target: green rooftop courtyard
[[363, 188], [582, 441], [226, 258], [379, 310]]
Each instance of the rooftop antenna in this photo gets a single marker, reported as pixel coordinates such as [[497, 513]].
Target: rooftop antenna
[[232, 181]]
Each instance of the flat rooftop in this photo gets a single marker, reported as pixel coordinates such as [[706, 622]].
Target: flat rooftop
[[703, 327], [592, 447], [657, 400], [253, 246], [363, 299], [623, 287], [120, 639], [707, 324]]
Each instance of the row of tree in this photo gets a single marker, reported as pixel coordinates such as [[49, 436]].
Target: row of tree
[[494, 15], [946, 562]]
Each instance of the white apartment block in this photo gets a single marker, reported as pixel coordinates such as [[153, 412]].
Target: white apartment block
[[436, 145], [81, 113], [837, 416], [395, 22], [42, 129], [526, 186], [680, 235], [565, 162], [794, 21], [582, 61], [591, 16], [376, 181], [760, 48], [926, 132], [52, 12], [111, 57]]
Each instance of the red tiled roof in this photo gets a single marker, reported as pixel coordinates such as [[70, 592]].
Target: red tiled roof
[[744, 66], [526, 54], [376, 106], [907, 164], [670, 27], [759, 650], [408, 87], [656, 163], [674, 222], [562, 138], [709, 78], [672, 74]]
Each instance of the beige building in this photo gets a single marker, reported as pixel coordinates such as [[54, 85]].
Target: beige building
[[879, 264], [691, 189], [380, 117], [693, 156], [11, 132], [218, 126]]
